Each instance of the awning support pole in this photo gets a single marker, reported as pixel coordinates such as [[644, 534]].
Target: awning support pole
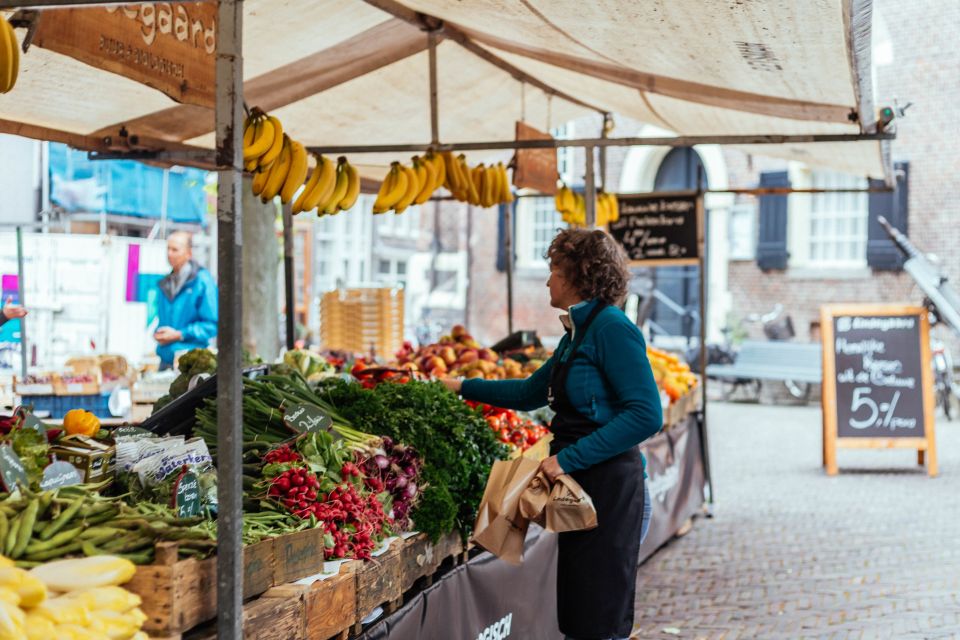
[[288, 273], [590, 190], [229, 130], [21, 287], [434, 107]]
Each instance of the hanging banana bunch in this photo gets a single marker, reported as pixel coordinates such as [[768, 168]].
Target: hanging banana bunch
[[280, 166], [410, 184], [573, 210], [9, 56], [482, 186]]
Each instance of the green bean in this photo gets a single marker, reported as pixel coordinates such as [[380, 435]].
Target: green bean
[[101, 517], [4, 526], [62, 520], [60, 539], [12, 536], [26, 528], [55, 553]]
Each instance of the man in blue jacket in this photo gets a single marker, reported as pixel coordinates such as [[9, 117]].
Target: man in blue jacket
[[188, 303]]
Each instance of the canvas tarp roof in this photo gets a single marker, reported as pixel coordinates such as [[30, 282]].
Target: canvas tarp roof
[[350, 72]]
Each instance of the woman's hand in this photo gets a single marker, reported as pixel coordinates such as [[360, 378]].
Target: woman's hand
[[452, 383], [12, 311], [551, 468]]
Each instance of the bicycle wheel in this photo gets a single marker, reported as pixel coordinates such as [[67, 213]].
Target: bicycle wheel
[[799, 390]]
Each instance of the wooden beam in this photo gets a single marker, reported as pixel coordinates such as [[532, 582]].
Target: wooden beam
[[364, 53], [672, 87]]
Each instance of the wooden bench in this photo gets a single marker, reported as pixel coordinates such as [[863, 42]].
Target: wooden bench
[[773, 360]]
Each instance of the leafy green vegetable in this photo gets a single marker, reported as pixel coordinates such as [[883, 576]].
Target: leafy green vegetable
[[455, 442], [31, 446]]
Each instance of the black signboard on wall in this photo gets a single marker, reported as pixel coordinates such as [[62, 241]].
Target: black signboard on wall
[[659, 228]]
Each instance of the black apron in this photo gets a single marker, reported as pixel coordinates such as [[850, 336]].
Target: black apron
[[597, 569]]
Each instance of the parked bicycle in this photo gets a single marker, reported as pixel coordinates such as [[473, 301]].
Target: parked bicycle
[[777, 326]]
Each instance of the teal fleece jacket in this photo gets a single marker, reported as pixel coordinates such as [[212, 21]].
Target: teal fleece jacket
[[611, 383]]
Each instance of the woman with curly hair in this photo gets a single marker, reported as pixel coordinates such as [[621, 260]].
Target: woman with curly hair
[[600, 385]]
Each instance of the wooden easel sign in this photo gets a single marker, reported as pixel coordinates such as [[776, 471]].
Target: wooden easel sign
[[877, 381]]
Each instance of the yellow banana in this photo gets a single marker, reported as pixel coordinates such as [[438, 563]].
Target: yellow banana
[[491, 185], [392, 190], [278, 172], [558, 199], [339, 190], [429, 181], [506, 195], [274, 151], [452, 176], [418, 168], [600, 210], [10, 53], [476, 177], [259, 181], [441, 169], [249, 132], [322, 191], [262, 141], [614, 208], [297, 173], [570, 200], [308, 188], [413, 187], [353, 186]]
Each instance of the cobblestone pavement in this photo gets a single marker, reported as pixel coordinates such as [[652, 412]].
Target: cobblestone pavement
[[791, 553]]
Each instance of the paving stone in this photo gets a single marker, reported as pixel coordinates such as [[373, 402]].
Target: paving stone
[[792, 553]]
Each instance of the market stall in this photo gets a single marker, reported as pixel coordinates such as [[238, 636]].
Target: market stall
[[480, 67]]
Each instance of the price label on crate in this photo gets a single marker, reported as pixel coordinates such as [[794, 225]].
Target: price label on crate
[[11, 468], [186, 495], [60, 474], [306, 418]]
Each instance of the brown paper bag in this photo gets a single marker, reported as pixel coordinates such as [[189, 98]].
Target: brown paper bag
[[500, 529], [569, 507], [533, 500]]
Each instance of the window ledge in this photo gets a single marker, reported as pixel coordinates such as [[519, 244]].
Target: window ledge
[[829, 273]]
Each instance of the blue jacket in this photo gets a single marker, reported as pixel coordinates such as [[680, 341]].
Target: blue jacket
[[193, 312], [612, 385]]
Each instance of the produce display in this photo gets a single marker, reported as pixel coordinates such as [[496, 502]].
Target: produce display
[[78, 599], [280, 166], [193, 363], [673, 376], [9, 56], [458, 354], [511, 429], [310, 364], [573, 207]]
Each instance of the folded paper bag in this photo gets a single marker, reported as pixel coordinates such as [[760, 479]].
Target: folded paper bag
[[533, 500], [569, 508], [500, 528]]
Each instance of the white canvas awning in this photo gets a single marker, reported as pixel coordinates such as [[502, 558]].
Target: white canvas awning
[[352, 73]]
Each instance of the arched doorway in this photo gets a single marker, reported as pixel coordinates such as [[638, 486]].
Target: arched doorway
[[680, 317]]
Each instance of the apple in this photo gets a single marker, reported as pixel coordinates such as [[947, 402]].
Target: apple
[[458, 330], [469, 355], [436, 362], [489, 355], [448, 355], [446, 340], [465, 338]]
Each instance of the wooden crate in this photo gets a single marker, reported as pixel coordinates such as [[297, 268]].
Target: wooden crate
[[258, 567], [358, 319], [330, 606], [297, 555], [379, 584], [420, 558], [273, 618], [177, 594]]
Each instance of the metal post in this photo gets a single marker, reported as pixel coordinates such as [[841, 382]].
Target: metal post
[[590, 191], [434, 110], [24, 350], [702, 418], [508, 213], [604, 130], [229, 123], [288, 272]]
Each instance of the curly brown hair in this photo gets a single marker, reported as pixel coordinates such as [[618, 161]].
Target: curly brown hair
[[592, 263]]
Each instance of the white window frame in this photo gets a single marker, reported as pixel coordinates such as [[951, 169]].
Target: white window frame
[[533, 220], [742, 248], [803, 209], [566, 156]]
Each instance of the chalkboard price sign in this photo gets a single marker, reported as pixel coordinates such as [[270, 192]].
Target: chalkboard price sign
[[306, 418], [877, 388], [659, 228]]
